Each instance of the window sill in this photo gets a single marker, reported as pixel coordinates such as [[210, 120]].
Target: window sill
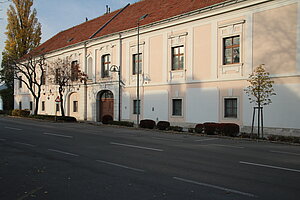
[[229, 69], [177, 116]]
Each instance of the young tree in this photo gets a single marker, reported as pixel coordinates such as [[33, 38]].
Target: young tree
[[31, 72], [64, 74], [260, 90], [23, 35], [23, 29]]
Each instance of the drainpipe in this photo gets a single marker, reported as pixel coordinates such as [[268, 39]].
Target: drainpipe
[[85, 85], [120, 74]]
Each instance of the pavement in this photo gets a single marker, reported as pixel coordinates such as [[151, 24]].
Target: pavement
[[48, 160]]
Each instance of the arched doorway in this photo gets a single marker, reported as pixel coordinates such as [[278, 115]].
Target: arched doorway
[[106, 104]]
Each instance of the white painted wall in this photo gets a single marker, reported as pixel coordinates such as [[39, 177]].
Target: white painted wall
[[156, 105], [284, 112], [202, 105]]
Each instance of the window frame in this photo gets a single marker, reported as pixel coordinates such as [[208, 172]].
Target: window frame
[[136, 110], [57, 76], [105, 73], [43, 105], [233, 109], [57, 107], [75, 106], [31, 105], [74, 70], [20, 82], [231, 47], [181, 108], [43, 78], [178, 55], [134, 63]]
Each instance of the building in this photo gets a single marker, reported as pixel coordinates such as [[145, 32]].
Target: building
[[195, 57]]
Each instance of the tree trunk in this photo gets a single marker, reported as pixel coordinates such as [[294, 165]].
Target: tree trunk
[[36, 106], [61, 101]]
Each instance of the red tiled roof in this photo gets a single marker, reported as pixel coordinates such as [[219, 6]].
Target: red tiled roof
[[156, 9]]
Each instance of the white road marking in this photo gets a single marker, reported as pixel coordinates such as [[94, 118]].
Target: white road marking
[[166, 139], [58, 135], [133, 146], [284, 152], [122, 166], [270, 166], [215, 187], [63, 152], [25, 144], [12, 128], [1, 139], [208, 139], [231, 146]]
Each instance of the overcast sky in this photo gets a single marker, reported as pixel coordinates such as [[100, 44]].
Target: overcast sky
[[58, 15]]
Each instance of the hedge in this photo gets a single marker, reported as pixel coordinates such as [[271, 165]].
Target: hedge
[[176, 128], [52, 118], [210, 128], [199, 128], [163, 125], [121, 123], [228, 129], [20, 113], [106, 119], [147, 123]]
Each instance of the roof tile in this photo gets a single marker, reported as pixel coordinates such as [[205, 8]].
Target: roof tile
[[157, 10]]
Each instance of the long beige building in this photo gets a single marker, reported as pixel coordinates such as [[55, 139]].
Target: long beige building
[[195, 58]]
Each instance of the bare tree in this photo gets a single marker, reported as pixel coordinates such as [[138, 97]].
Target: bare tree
[[31, 72], [64, 74], [260, 91]]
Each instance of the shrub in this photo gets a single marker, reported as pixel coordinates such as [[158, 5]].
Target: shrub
[[248, 135], [228, 129], [24, 113], [284, 138], [21, 113], [15, 112], [199, 128], [176, 128], [106, 119], [122, 123], [210, 128], [163, 125], [66, 119], [147, 123], [52, 118], [191, 130]]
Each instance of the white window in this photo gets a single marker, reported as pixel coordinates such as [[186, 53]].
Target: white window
[[230, 107], [177, 107], [20, 81], [75, 106], [105, 65], [231, 50], [137, 62], [136, 106], [43, 105], [178, 58]]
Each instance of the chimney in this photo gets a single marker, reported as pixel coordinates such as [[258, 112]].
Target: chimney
[[107, 9]]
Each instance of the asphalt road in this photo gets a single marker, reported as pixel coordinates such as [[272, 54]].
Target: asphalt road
[[46, 160]]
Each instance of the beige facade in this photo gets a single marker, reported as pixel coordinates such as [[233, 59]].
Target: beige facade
[[206, 81]]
